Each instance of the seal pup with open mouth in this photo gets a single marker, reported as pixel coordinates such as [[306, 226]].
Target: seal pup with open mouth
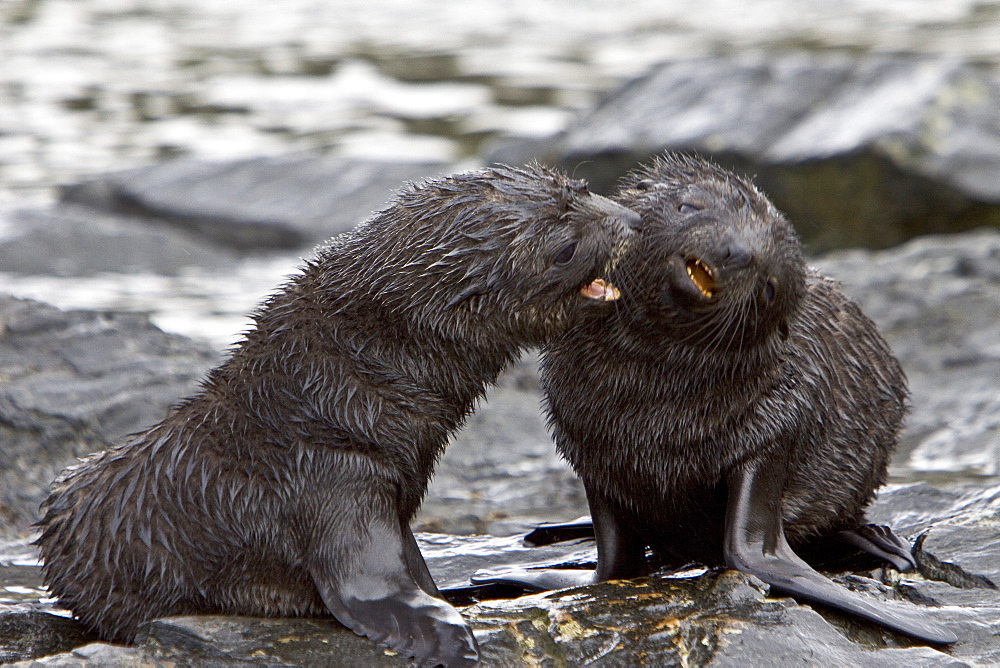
[[734, 408]]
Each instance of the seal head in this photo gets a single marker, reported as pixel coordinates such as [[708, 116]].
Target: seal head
[[721, 269]]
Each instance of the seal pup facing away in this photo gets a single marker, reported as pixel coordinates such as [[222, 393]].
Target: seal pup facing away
[[734, 405], [286, 485]]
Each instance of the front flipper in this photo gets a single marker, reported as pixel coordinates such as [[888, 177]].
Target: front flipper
[[621, 554], [755, 544], [881, 542], [373, 590]]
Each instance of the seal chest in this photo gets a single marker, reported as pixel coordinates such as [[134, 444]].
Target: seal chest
[[286, 485]]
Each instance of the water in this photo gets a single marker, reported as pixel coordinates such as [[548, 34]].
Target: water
[[196, 303], [89, 86]]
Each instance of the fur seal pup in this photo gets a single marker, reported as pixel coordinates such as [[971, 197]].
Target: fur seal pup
[[734, 406], [286, 485]]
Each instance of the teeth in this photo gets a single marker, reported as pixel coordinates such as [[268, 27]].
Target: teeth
[[601, 290], [701, 276]]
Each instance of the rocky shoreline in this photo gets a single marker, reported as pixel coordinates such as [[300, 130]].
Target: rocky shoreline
[[888, 139]]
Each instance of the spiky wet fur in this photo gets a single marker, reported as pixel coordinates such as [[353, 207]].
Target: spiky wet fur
[[653, 402], [333, 409]]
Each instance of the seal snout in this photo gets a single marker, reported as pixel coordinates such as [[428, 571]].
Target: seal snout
[[629, 220], [632, 220], [735, 255], [707, 272]]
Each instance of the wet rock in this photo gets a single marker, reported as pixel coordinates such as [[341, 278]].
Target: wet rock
[[255, 204], [73, 382], [697, 617], [29, 634], [937, 300], [80, 241], [720, 618], [862, 150]]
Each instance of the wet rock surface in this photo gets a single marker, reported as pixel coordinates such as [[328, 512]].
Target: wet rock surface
[[73, 383], [691, 618], [937, 301], [74, 240], [256, 204], [859, 150]]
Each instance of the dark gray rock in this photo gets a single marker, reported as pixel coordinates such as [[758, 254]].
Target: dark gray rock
[[73, 240], [698, 617], [73, 383], [29, 634], [256, 204], [859, 150], [937, 300]]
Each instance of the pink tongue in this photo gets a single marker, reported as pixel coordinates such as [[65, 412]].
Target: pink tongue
[[601, 290]]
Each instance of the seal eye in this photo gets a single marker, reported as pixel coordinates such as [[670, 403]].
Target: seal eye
[[688, 207], [566, 254]]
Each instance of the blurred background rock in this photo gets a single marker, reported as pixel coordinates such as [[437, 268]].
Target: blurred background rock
[[165, 163], [176, 158]]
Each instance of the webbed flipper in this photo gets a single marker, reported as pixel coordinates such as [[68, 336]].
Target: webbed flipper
[[558, 532], [755, 544], [621, 553], [880, 541], [536, 580], [378, 590]]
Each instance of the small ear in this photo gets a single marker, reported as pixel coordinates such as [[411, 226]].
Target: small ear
[[464, 295]]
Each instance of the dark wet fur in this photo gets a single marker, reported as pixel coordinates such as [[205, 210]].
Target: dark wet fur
[[654, 402], [285, 486]]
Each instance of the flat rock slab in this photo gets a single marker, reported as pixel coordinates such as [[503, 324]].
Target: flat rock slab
[[254, 204], [858, 150], [696, 617], [73, 240], [73, 383]]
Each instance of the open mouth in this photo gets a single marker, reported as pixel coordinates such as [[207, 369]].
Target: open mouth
[[701, 276], [601, 290]]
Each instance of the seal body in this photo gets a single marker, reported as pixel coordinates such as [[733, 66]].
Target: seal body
[[735, 407], [286, 485], [725, 348]]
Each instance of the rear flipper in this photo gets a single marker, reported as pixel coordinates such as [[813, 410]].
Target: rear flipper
[[532, 580], [621, 552], [881, 542], [755, 544], [381, 589], [557, 532]]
